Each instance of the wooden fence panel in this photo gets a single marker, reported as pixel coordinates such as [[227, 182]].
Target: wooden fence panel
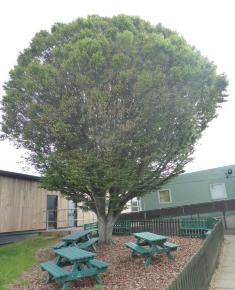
[[222, 206], [198, 272]]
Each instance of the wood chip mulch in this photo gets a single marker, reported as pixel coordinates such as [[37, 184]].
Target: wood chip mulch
[[124, 272]]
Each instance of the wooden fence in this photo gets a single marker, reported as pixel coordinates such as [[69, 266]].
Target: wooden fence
[[194, 227], [159, 226], [198, 272]]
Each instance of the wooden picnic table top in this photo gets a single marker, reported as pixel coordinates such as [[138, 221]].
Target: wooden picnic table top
[[74, 254], [76, 236], [150, 237]]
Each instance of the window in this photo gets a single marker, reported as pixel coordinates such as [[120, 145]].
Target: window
[[52, 206], [133, 205], [218, 191], [164, 196]]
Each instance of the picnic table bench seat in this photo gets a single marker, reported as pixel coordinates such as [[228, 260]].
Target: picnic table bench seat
[[100, 265], [171, 246], [64, 277], [86, 273], [88, 244], [54, 270], [136, 248], [59, 245]]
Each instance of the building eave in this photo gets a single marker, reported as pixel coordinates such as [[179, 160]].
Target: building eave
[[23, 176]]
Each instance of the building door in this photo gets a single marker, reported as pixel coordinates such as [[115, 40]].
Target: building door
[[52, 202], [72, 214]]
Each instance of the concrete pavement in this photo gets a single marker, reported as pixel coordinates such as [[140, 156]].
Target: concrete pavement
[[224, 276]]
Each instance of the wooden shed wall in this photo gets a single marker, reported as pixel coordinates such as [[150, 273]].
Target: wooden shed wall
[[23, 205], [84, 217]]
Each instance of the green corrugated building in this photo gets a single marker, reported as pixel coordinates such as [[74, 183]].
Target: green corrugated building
[[196, 187]]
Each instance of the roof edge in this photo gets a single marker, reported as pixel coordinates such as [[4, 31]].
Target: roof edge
[[209, 169], [4, 173]]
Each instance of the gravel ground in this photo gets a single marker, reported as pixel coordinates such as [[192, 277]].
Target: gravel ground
[[124, 272]]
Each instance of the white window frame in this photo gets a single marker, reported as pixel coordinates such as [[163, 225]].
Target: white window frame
[[129, 206], [159, 199], [225, 190], [138, 206]]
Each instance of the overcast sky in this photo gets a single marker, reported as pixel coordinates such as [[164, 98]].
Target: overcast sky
[[207, 24]]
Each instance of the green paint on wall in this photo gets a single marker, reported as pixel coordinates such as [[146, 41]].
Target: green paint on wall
[[191, 188]]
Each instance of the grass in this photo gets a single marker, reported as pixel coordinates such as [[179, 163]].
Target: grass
[[15, 259], [98, 287]]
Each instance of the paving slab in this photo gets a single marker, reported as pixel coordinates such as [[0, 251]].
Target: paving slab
[[224, 276], [225, 283], [222, 288]]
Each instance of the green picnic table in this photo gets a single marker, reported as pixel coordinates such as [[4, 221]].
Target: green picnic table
[[82, 265], [82, 239], [149, 245]]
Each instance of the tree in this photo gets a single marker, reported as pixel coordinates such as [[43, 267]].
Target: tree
[[109, 109]]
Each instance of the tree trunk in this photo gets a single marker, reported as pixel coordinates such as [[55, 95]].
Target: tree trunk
[[105, 228]]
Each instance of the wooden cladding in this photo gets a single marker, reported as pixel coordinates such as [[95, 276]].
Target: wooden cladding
[[23, 205]]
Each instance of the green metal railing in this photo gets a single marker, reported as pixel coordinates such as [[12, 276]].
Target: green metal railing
[[198, 272]]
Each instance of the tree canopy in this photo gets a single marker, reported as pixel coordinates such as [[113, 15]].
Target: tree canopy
[[109, 108]]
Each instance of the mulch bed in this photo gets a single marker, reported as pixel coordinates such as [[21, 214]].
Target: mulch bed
[[124, 272]]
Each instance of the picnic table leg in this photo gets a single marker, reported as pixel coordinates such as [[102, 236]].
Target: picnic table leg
[[61, 262], [148, 260], [154, 251], [132, 253], [169, 255], [76, 266], [66, 285], [97, 276], [49, 278], [98, 279], [58, 260]]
